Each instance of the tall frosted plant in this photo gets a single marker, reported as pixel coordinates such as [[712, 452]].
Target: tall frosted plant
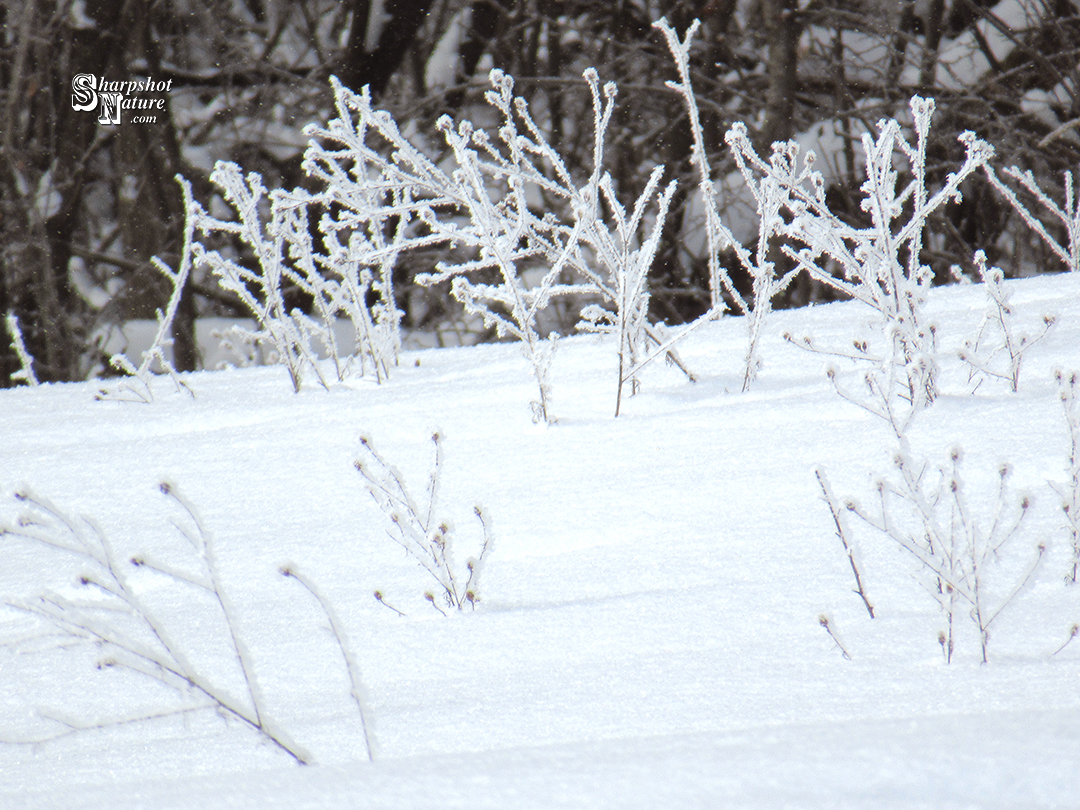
[[879, 265], [338, 280], [769, 196], [524, 231]]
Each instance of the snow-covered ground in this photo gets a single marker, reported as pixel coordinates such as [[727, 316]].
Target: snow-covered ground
[[648, 634]]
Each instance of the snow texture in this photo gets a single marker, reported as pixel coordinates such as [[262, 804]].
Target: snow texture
[[649, 632]]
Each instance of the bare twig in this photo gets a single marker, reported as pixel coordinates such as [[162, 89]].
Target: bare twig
[[823, 620]]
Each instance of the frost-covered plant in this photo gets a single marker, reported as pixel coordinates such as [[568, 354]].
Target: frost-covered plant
[[880, 265], [26, 362], [928, 514], [376, 175], [143, 373], [523, 231], [284, 251], [427, 539], [996, 336], [357, 691], [1069, 216], [627, 281], [1070, 490], [769, 196], [111, 612]]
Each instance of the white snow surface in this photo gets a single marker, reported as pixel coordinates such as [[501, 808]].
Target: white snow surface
[[648, 634]]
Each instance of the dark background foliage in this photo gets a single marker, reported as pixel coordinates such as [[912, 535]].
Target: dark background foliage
[[85, 205]]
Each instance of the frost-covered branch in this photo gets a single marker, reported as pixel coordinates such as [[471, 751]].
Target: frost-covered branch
[[1069, 216]]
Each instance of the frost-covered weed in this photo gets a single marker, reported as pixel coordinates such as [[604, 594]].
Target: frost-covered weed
[[111, 612], [996, 336], [426, 538], [928, 513], [338, 279], [525, 230], [880, 265], [143, 373], [769, 196]]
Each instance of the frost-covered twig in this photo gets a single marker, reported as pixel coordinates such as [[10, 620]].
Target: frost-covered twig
[[162, 339], [426, 539], [998, 322], [359, 694], [844, 533], [26, 362], [134, 635], [1069, 217]]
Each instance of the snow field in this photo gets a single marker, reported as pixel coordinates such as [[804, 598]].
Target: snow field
[[648, 633]]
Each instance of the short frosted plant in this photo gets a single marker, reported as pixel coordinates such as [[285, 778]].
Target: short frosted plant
[[928, 512], [997, 351], [429, 540]]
